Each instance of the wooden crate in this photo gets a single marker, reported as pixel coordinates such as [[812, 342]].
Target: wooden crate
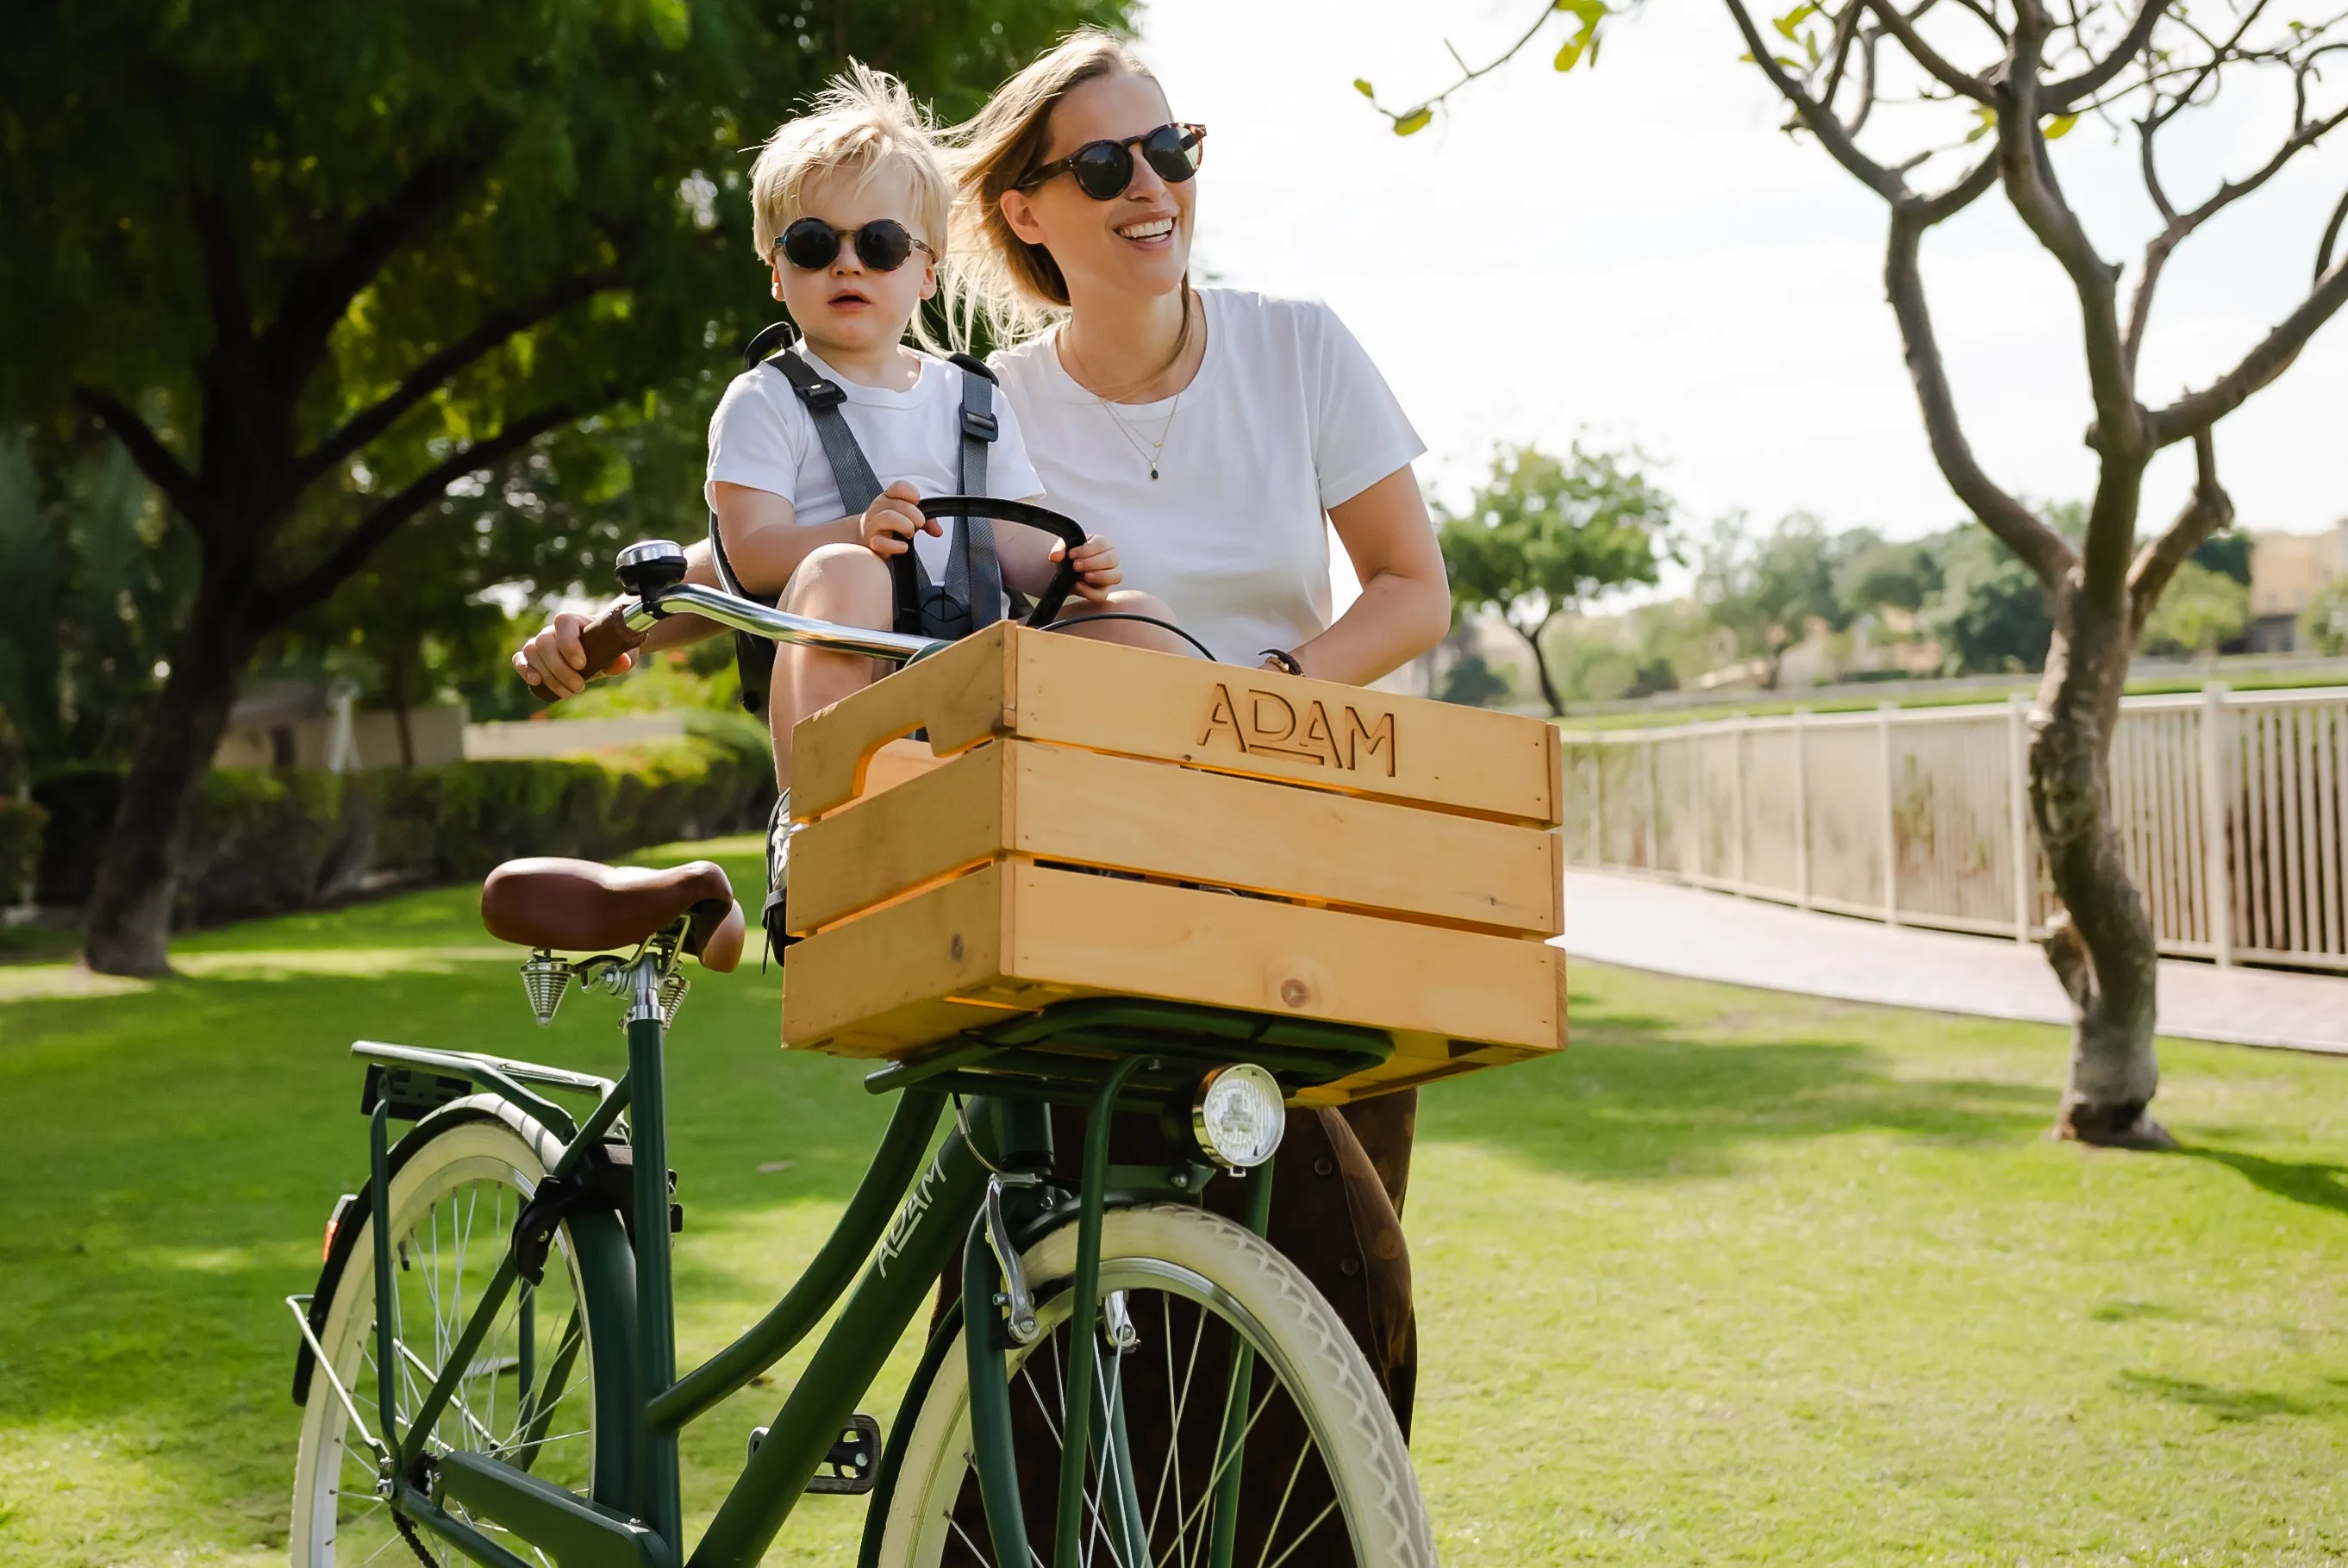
[[1278, 845]]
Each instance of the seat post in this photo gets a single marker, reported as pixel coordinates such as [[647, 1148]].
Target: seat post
[[658, 1498]]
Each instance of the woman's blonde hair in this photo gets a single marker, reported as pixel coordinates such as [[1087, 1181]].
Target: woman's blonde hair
[[1000, 282], [864, 120]]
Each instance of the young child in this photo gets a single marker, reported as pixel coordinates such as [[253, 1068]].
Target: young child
[[851, 213]]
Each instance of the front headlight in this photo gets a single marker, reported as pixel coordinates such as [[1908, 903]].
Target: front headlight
[[1236, 1116]]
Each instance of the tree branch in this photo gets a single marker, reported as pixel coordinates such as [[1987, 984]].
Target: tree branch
[[2059, 97], [163, 470], [436, 370], [274, 605], [2330, 236], [2180, 225], [2036, 195], [2210, 510], [224, 293], [1925, 55], [321, 293], [2037, 546], [2197, 411], [1819, 120]]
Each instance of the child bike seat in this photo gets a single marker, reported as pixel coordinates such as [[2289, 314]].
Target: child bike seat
[[575, 906]]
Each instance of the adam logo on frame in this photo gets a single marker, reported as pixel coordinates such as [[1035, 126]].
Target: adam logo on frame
[[1267, 722]]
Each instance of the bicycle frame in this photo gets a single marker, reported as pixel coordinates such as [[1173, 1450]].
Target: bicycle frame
[[915, 1208]]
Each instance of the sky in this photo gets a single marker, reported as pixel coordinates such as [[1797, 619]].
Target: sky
[[1637, 256]]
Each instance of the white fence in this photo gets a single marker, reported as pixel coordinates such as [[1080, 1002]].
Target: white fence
[[2231, 805]]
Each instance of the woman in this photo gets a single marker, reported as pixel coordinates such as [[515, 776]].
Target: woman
[[1213, 430]]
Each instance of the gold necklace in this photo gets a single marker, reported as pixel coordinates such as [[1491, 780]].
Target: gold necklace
[[1157, 448]]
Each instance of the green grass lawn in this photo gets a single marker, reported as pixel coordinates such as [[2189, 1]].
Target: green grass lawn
[[1739, 1278]]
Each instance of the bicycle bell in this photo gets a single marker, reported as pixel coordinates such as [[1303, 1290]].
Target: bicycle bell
[[649, 565]]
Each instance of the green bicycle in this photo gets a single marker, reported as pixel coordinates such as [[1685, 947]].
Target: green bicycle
[[486, 1365]]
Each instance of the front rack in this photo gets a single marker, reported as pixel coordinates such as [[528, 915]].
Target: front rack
[[1066, 1053]]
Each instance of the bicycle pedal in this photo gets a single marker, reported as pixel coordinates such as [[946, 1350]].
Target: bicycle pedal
[[853, 1465]]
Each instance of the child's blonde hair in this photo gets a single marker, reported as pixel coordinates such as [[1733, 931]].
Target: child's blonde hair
[[864, 120], [1001, 284]]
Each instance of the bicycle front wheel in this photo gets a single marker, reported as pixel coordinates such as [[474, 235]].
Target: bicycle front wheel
[[1321, 1477], [528, 1394]]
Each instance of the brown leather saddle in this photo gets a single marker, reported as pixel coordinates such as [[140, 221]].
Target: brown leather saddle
[[575, 906]]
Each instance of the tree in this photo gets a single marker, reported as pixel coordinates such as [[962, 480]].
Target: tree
[[2202, 611], [1985, 89], [316, 268], [85, 553], [2324, 622], [1989, 612], [1543, 534], [1878, 573], [1766, 589]]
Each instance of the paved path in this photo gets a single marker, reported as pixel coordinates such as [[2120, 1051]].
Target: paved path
[[1672, 930]]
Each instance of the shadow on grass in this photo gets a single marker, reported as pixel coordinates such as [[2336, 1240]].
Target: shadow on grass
[[2316, 1184], [2230, 1405], [1638, 1096], [189, 1140]]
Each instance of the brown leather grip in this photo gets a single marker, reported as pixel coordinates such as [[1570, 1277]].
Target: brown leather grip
[[605, 639]]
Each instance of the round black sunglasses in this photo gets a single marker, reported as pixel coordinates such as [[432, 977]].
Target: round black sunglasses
[[811, 245], [1104, 168]]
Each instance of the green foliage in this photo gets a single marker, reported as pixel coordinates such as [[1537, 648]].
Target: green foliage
[[1472, 683], [268, 842], [1544, 534], [21, 823], [1766, 588], [1989, 614], [2228, 554], [100, 582], [2324, 622], [2198, 613], [1877, 572]]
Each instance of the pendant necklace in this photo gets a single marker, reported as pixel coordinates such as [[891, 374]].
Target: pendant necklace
[[1151, 453], [1156, 447]]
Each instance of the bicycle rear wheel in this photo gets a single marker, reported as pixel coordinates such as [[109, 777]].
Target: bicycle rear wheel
[[529, 1392], [1324, 1476]]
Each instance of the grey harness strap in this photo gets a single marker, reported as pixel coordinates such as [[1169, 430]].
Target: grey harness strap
[[972, 595]]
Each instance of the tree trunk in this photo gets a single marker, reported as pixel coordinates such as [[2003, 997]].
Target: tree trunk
[[2101, 946], [1541, 664], [128, 926]]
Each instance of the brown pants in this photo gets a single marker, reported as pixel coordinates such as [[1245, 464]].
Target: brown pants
[[1338, 1185]]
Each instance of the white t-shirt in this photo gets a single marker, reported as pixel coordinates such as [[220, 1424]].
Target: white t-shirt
[[763, 437], [1286, 419]]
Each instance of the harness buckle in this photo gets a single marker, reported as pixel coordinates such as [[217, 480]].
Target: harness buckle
[[981, 424], [821, 394]]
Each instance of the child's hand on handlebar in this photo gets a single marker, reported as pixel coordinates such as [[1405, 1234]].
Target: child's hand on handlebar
[[554, 659], [1097, 567], [889, 523]]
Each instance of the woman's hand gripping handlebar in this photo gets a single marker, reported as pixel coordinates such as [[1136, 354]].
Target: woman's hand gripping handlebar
[[653, 574]]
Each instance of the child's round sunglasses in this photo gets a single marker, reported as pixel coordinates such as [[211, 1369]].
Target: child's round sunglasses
[[1104, 168], [811, 245]]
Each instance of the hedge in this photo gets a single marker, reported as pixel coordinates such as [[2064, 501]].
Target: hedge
[[265, 842], [20, 846]]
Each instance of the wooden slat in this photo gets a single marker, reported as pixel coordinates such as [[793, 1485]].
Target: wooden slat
[[1014, 937], [1227, 718], [1056, 803]]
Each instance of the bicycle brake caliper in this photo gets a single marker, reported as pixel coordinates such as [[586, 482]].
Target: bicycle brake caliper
[[1017, 1299]]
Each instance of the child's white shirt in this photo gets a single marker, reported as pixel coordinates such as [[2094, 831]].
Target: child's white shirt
[[763, 437]]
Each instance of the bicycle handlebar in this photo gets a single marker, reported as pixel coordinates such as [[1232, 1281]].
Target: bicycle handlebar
[[654, 576]]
